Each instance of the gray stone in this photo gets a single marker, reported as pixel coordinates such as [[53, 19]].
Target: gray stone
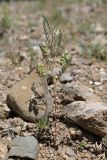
[[67, 153], [89, 115], [104, 78], [104, 97], [103, 75], [24, 147], [19, 96], [66, 77], [70, 153], [78, 92], [56, 71]]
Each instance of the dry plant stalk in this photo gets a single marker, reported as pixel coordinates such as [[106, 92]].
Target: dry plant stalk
[[51, 49]]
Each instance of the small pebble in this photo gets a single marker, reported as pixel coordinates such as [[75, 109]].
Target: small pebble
[[97, 83], [90, 89], [91, 82], [92, 150], [18, 130], [72, 132], [66, 77]]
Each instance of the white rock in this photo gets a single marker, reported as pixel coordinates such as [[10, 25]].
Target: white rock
[[91, 82], [97, 83]]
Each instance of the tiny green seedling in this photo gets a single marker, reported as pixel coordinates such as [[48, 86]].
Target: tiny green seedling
[[42, 123], [104, 139], [82, 144]]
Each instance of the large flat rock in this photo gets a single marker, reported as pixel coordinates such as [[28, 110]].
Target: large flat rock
[[89, 115], [19, 96]]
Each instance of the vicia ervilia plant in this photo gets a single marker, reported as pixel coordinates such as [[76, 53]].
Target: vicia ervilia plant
[[52, 49]]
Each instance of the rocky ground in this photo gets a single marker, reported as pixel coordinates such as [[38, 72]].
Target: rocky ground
[[80, 129]]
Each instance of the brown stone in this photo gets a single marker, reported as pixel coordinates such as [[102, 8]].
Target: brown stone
[[19, 96]]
